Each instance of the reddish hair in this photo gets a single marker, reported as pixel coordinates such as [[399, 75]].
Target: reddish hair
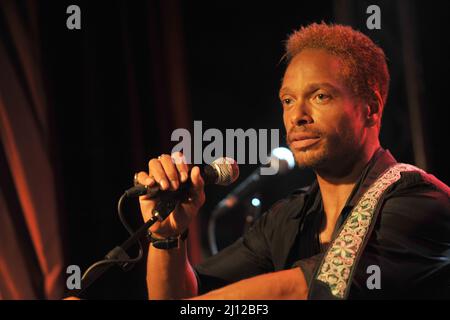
[[365, 69]]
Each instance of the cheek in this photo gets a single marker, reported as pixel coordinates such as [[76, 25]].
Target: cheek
[[327, 122], [349, 127], [335, 126], [287, 124], [355, 121]]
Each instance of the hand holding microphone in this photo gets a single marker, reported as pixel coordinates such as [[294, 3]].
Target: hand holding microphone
[[170, 173]]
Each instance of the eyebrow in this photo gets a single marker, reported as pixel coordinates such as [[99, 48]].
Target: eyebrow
[[310, 87]]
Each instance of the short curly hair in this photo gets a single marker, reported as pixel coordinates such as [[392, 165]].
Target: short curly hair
[[365, 68]]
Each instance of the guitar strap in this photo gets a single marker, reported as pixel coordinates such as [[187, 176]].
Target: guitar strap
[[332, 278]]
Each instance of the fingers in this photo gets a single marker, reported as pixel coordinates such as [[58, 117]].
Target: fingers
[[182, 166], [156, 170], [144, 179], [169, 171]]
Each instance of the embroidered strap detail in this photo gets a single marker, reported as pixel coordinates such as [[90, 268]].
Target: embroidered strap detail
[[343, 254]]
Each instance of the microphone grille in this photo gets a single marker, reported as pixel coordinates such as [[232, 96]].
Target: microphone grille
[[227, 170]]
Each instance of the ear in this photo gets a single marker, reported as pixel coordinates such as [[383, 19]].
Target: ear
[[374, 111]]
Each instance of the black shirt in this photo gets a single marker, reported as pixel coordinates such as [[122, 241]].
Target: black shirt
[[410, 242]]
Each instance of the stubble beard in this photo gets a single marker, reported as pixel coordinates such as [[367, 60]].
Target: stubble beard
[[331, 153]]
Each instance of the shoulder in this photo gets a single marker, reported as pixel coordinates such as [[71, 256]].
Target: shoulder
[[421, 188], [418, 204], [419, 181]]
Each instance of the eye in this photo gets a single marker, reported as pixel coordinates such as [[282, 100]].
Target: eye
[[286, 101], [321, 98]]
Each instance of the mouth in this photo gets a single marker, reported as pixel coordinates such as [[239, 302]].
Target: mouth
[[301, 141], [304, 143]]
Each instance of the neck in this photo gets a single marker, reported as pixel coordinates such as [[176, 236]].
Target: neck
[[336, 188]]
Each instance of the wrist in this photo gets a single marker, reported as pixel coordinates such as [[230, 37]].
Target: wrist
[[161, 235], [166, 243]]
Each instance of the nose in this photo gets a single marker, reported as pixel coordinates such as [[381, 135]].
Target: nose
[[300, 115]]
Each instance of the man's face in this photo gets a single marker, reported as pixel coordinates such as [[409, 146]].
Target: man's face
[[323, 120]]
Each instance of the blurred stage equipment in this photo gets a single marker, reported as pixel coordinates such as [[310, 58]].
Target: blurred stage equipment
[[280, 159]]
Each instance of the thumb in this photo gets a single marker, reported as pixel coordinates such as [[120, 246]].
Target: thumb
[[197, 183]]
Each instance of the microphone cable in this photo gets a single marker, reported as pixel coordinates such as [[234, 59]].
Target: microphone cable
[[125, 262]]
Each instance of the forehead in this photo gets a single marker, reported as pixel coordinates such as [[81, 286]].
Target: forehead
[[313, 66]]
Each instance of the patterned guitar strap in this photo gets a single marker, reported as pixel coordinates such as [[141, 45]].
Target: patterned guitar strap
[[332, 279]]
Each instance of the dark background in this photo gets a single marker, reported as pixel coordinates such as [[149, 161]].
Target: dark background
[[111, 102]]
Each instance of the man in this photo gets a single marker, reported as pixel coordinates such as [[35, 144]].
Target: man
[[332, 96]]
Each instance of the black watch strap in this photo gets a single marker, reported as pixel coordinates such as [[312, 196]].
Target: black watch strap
[[167, 243]]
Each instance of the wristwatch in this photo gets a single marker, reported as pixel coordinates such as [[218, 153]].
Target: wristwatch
[[167, 243]]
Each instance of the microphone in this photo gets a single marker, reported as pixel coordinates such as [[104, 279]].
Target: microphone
[[222, 171], [281, 160]]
